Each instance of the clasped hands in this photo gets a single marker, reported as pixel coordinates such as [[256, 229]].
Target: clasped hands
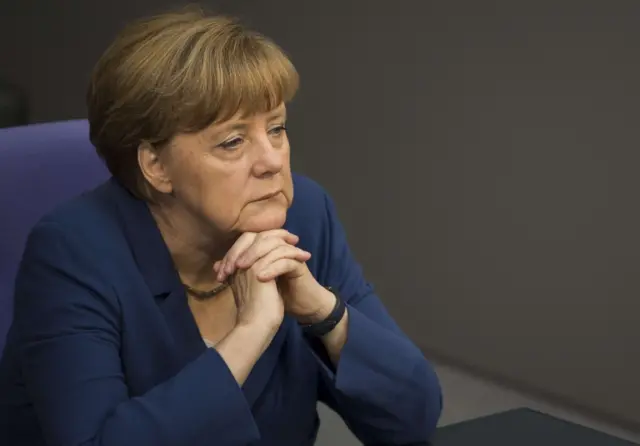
[[273, 257]]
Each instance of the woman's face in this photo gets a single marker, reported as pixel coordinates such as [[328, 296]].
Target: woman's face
[[235, 175]]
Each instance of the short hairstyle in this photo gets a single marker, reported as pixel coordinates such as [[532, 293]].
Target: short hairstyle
[[176, 73]]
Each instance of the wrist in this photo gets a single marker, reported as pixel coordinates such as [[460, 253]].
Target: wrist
[[327, 324], [325, 302], [258, 328]]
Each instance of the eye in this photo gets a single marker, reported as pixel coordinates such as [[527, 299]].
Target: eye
[[278, 130], [231, 144]]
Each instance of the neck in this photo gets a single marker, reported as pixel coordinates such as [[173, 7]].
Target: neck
[[194, 246]]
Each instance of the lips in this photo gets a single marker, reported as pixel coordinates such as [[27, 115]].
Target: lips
[[266, 197]]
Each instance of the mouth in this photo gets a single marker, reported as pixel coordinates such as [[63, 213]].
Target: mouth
[[268, 196]]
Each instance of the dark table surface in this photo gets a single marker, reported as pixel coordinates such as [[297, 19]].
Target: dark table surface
[[522, 427]]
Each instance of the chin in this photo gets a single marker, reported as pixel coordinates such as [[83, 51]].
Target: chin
[[265, 221], [264, 215]]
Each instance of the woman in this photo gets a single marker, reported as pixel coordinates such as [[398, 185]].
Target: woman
[[190, 300]]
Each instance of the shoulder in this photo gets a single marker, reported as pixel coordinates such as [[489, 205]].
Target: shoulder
[[74, 253], [81, 229], [314, 219], [88, 212], [309, 195], [307, 216]]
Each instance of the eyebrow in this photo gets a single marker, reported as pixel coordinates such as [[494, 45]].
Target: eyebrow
[[277, 114], [242, 124]]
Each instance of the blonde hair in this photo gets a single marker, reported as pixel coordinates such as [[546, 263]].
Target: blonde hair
[[175, 73]]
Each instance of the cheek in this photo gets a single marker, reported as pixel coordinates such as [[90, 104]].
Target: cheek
[[288, 188], [189, 183], [287, 181], [224, 193]]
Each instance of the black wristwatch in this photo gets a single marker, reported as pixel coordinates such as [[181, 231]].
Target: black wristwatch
[[323, 327]]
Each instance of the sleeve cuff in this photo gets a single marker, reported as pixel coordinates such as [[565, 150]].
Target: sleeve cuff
[[383, 384], [372, 358], [223, 399]]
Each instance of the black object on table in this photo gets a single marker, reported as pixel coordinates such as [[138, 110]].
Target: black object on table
[[13, 106], [522, 427]]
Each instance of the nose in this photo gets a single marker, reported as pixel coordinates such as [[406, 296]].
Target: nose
[[269, 159]]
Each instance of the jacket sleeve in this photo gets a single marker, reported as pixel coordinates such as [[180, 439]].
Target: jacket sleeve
[[68, 338], [383, 387]]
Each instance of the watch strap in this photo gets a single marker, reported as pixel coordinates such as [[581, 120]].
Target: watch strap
[[319, 329]]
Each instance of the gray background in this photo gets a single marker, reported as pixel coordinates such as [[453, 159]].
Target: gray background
[[482, 155]]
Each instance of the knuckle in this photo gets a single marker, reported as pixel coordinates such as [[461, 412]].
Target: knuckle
[[255, 268], [244, 238], [263, 235], [277, 233], [247, 253], [271, 242], [244, 241], [281, 251], [281, 244]]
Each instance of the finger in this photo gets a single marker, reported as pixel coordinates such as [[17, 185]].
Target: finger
[[259, 246], [278, 268], [282, 252], [258, 250], [243, 242], [280, 233], [246, 241], [230, 279]]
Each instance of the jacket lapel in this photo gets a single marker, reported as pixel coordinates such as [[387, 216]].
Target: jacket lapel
[[180, 322], [263, 370], [156, 267]]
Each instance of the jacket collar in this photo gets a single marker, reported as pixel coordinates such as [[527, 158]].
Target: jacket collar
[[149, 249]]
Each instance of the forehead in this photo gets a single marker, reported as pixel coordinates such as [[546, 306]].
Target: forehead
[[243, 118], [244, 114]]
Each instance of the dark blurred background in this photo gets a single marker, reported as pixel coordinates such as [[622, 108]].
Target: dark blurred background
[[482, 154]]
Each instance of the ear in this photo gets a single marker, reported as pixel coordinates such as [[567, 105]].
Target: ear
[[154, 169]]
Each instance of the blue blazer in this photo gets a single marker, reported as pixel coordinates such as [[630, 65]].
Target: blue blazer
[[104, 350]]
